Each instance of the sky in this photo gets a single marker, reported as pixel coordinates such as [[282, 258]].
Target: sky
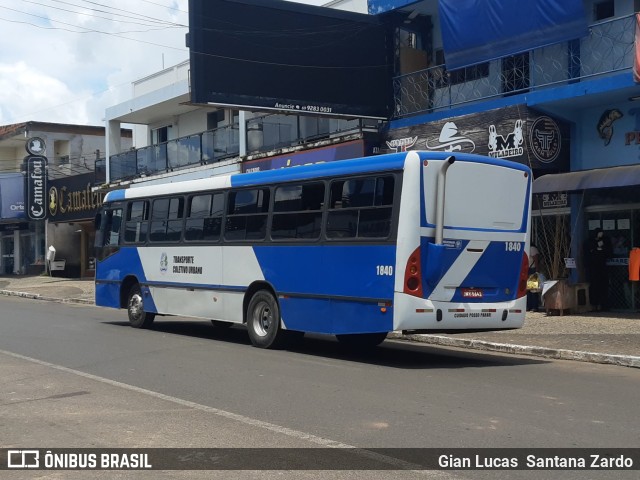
[[66, 61]]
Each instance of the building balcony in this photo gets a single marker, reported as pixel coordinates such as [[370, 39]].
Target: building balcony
[[607, 50], [264, 134]]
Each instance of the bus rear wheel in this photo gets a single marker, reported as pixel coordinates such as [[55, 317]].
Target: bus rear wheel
[[138, 318], [263, 321], [362, 340]]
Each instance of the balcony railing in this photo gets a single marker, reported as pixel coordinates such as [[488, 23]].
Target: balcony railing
[[608, 48], [199, 149], [264, 134]]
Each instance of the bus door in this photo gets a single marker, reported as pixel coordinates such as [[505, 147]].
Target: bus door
[[476, 230]]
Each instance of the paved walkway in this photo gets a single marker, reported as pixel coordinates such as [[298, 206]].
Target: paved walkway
[[612, 338]]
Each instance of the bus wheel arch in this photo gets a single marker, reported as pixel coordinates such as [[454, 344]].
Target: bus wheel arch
[[262, 316], [134, 303], [125, 288]]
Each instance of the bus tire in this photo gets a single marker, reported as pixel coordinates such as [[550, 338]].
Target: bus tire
[[362, 340], [263, 321], [138, 318]]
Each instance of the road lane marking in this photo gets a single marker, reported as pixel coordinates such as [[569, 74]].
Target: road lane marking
[[324, 442]]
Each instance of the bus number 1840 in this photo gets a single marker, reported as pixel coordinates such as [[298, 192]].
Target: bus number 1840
[[386, 270], [512, 246]]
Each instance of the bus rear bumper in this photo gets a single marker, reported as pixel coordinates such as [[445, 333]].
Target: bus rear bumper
[[418, 314]]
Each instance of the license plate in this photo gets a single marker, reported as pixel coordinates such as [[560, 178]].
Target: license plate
[[471, 293]]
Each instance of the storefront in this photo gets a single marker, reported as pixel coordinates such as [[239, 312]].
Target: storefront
[[607, 199], [22, 241], [72, 206]]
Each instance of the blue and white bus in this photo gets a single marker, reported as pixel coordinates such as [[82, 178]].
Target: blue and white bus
[[410, 242]]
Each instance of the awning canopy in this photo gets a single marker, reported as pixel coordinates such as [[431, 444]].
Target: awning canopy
[[625, 176], [475, 31]]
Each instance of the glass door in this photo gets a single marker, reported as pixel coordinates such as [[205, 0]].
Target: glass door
[[7, 254]]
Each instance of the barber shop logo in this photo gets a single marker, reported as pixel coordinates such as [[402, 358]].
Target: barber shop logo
[[402, 144], [450, 141], [545, 139], [53, 201], [506, 146]]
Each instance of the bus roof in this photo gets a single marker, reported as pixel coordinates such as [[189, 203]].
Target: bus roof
[[377, 163]]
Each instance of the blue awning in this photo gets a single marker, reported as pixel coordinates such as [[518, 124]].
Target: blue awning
[[625, 176], [475, 31]]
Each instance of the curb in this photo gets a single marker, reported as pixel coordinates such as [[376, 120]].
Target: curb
[[37, 296], [560, 354]]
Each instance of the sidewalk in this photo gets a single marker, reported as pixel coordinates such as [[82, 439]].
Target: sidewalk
[[612, 338]]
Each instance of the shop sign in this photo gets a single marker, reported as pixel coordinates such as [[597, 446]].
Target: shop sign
[[554, 200], [12, 196], [517, 133], [72, 198], [36, 187], [342, 151]]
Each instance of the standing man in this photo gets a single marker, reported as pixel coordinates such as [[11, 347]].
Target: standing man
[[598, 253], [533, 297]]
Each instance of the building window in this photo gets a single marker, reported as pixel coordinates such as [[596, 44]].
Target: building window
[[160, 135], [603, 10], [515, 73], [462, 75], [215, 119]]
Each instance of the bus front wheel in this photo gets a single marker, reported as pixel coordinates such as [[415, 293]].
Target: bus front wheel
[[263, 321], [138, 318]]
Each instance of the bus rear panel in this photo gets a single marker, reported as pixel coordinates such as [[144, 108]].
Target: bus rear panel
[[471, 278]]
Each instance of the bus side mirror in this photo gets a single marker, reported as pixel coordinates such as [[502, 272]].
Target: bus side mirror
[[97, 221]]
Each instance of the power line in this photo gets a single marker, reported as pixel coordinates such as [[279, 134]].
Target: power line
[[137, 16]]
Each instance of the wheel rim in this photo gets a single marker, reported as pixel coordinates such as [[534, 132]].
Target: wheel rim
[[136, 309], [262, 318]]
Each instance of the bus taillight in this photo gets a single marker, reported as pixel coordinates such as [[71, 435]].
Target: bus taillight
[[524, 275], [413, 275]]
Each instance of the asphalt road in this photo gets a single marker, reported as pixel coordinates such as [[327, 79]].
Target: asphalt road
[[319, 394]]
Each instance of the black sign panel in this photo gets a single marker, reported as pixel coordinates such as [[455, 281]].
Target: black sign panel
[[71, 198], [515, 133], [290, 57], [36, 186]]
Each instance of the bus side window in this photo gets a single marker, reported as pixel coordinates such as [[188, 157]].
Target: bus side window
[[247, 212], [297, 211], [166, 220], [204, 217], [112, 227], [136, 225], [360, 207]]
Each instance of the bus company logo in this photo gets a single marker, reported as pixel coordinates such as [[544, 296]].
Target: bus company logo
[[450, 141], [509, 146], [402, 144], [164, 263], [545, 139], [53, 201]]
